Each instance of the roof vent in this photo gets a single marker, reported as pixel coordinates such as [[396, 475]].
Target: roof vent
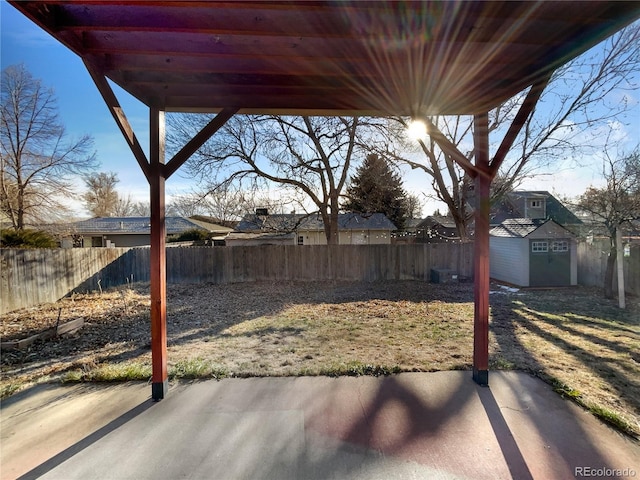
[[262, 212]]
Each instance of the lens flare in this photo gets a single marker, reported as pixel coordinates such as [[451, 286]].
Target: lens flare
[[417, 130]]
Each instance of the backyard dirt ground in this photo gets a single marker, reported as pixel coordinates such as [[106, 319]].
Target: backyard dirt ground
[[581, 343]]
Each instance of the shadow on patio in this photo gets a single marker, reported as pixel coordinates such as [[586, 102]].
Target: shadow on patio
[[416, 425]]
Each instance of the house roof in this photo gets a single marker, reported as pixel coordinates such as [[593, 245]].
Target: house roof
[[211, 227], [131, 225], [270, 223], [520, 227], [513, 206], [263, 237], [213, 220], [292, 222], [431, 220], [327, 57], [412, 223]]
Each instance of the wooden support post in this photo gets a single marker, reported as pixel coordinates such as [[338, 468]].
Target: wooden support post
[[481, 253], [156, 172], [159, 379]]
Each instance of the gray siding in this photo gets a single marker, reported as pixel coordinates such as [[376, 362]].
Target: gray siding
[[134, 240], [509, 260]]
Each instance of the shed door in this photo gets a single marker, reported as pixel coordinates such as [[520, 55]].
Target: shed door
[[549, 263]]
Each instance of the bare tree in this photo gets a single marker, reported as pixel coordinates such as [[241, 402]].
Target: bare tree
[[312, 155], [187, 205], [414, 206], [125, 207], [615, 204], [101, 196], [142, 209], [103, 200], [582, 97], [37, 162], [223, 202]]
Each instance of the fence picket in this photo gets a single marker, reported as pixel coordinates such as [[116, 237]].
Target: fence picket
[[31, 277]]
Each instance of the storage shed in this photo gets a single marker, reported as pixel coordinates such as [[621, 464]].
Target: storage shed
[[533, 253]]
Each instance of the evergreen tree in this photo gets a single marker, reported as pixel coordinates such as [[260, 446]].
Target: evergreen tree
[[376, 188]]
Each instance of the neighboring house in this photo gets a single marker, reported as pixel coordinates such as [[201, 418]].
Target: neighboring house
[[533, 253], [217, 231], [533, 205], [538, 204], [133, 231], [302, 229], [592, 228], [408, 235], [435, 229]]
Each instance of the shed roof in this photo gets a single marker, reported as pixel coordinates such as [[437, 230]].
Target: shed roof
[[318, 57], [517, 227]]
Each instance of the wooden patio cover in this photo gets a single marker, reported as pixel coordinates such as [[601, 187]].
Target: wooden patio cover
[[324, 58]]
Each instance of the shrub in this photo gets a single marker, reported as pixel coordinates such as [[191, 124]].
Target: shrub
[[193, 235], [26, 239]]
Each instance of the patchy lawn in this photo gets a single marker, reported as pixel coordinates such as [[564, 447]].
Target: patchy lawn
[[573, 338]]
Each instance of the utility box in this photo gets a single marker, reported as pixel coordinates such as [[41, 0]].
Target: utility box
[[443, 275]]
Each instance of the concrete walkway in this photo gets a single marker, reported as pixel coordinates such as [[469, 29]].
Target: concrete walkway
[[414, 425]]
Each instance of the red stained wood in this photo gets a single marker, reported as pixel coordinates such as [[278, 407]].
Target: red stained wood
[[197, 141], [158, 256], [481, 248], [396, 58], [119, 116]]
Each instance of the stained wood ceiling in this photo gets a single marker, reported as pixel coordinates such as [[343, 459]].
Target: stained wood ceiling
[[373, 57]]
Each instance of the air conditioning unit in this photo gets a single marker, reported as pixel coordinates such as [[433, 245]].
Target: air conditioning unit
[[443, 275]]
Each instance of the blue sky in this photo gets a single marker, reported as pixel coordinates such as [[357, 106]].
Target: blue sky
[[83, 111], [80, 105]]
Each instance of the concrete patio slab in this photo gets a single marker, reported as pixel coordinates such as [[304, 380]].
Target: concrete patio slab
[[413, 425]]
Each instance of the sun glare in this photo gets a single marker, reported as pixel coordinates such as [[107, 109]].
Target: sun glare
[[417, 130]]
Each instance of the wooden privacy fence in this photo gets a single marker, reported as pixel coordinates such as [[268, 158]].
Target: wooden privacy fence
[[592, 265], [31, 277]]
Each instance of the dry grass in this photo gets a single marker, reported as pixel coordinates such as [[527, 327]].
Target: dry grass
[[579, 342]]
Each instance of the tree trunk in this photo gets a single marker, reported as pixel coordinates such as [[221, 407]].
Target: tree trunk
[[333, 234], [20, 214], [330, 222]]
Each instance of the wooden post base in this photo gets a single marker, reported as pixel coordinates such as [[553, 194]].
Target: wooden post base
[[481, 377], [159, 390]]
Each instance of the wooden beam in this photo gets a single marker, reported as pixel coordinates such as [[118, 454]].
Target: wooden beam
[[160, 383], [196, 142], [118, 115], [481, 253], [450, 149], [521, 117]]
